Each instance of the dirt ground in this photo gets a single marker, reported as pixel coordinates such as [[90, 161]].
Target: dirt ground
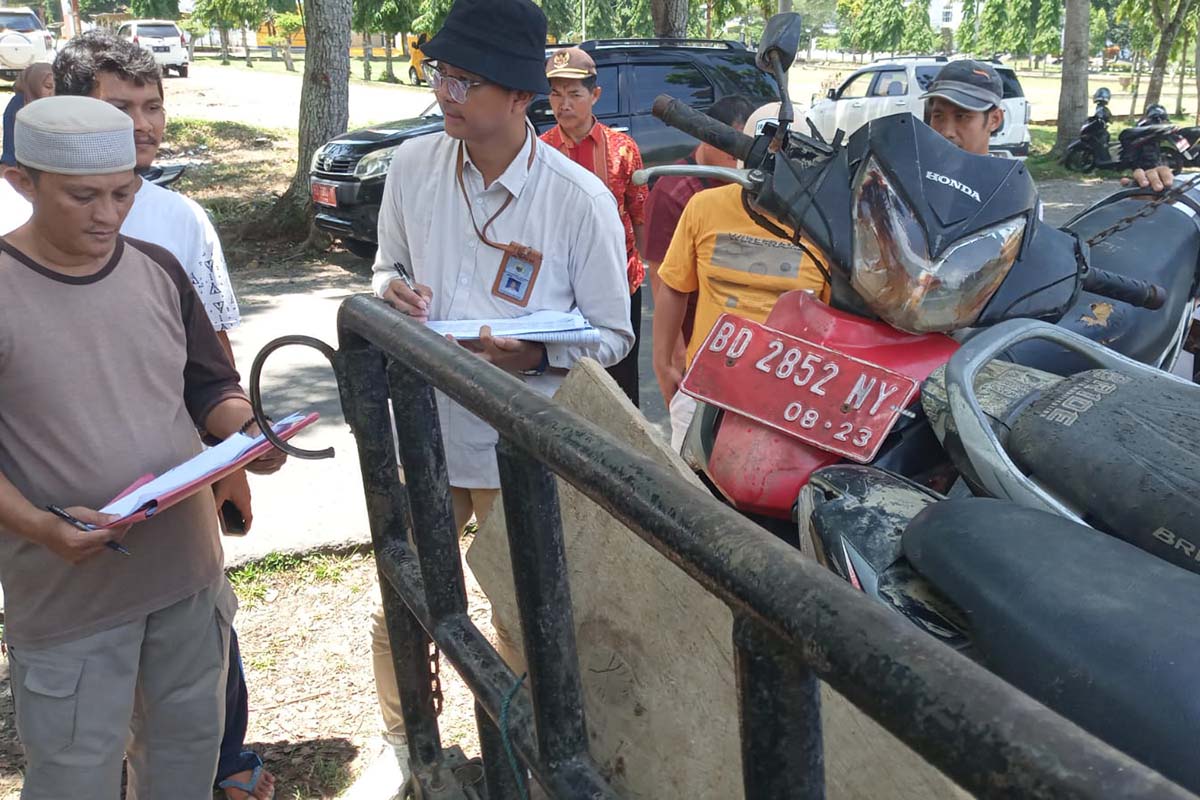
[[304, 629]]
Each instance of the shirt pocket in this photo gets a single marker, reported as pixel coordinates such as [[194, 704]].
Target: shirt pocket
[[46, 710]]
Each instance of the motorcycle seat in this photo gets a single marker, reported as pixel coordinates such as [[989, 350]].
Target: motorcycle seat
[[1086, 624], [1163, 249], [1124, 449], [1145, 131]]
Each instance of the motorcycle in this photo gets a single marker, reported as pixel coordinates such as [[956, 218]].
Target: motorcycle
[[913, 252], [1152, 141], [1069, 585], [163, 175]]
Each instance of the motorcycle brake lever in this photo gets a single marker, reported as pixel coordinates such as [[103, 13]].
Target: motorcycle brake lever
[[746, 178]]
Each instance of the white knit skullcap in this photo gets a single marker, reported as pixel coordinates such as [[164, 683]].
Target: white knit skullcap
[[71, 135]]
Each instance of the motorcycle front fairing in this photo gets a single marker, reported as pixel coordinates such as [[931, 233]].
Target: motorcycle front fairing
[[948, 195]]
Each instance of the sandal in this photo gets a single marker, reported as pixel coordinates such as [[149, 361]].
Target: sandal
[[247, 786]]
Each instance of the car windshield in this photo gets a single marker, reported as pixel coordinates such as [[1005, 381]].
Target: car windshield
[[158, 31], [432, 110], [19, 21], [1012, 86]]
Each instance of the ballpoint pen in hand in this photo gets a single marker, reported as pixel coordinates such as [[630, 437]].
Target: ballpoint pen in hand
[[402, 271], [79, 524]]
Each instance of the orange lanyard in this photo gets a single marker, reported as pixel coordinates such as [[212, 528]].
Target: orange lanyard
[[482, 234]]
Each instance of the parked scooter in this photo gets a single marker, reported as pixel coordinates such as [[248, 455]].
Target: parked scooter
[[163, 175], [1153, 141]]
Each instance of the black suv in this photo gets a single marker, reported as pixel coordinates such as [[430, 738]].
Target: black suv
[[347, 174]]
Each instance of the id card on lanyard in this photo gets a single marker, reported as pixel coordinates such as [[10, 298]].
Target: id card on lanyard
[[521, 264]]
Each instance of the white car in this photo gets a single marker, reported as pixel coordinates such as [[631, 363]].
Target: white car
[[894, 85], [162, 38], [24, 40]]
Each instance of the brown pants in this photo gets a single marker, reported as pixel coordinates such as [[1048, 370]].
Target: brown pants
[[467, 503]]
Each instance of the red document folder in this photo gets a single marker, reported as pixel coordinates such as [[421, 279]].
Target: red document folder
[[152, 506]]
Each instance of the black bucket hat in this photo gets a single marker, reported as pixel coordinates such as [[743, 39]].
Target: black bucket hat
[[973, 85], [502, 41]]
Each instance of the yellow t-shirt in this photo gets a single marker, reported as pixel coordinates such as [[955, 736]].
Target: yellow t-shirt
[[735, 265]]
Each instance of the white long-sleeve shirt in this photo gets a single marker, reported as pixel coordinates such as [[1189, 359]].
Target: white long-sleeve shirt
[[558, 208]]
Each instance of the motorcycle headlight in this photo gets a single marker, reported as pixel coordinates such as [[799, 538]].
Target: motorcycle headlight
[[895, 275], [374, 164]]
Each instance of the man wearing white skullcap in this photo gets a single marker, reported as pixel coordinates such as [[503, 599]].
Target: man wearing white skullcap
[[108, 366]]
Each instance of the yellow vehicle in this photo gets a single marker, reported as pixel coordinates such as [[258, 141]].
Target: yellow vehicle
[[416, 69]]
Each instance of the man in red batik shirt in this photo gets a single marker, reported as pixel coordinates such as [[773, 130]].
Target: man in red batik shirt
[[612, 157]]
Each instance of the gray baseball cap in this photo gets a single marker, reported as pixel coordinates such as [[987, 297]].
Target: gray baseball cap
[[973, 85]]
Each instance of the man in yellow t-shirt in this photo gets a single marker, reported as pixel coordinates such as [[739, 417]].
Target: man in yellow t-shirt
[[735, 265]]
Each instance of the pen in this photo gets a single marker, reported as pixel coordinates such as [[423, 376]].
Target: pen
[[79, 524], [403, 273]]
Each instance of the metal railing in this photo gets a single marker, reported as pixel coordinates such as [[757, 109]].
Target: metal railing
[[795, 624]]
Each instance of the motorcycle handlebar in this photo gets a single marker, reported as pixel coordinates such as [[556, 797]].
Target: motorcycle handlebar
[[1128, 290], [683, 117]]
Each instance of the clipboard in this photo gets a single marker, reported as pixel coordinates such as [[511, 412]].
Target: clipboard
[[147, 507]]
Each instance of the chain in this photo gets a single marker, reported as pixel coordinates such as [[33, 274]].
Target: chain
[[435, 679], [1159, 200]]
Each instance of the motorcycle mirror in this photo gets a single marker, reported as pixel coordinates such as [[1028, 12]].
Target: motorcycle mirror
[[781, 37]]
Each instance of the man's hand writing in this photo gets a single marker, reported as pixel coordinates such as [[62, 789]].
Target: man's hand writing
[[235, 488], [71, 544], [406, 301]]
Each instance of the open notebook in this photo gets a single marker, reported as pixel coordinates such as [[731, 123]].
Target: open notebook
[[550, 327]]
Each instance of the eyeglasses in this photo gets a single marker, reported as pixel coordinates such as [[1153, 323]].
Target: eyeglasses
[[456, 88]]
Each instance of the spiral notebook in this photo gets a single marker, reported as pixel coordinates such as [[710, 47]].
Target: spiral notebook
[[549, 327]]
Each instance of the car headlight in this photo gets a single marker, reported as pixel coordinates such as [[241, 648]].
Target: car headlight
[[898, 280], [374, 164]]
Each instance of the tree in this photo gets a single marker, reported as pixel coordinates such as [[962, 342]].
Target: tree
[[670, 18], [967, 35], [154, 9], [365, 15], [249, 15], [1098, 35], [1021, 19], [395, 17], [1073, 90], [1168, 17], [288, 25], [993, 28], [432, 15], [882, 25], [324, 100], [218, 14], [1047, 37], [195, 28], [919, 35]]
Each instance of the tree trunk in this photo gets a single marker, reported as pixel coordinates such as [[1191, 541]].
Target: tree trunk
[[1162, 56], [1183, 59], [404, 46], [1073, 94], [225, 46], [1138, 61], [192, 48], [670, 18], [388, 74], [1197, 67], [324, 102], [246, 47], [367, 56], [287, 56]]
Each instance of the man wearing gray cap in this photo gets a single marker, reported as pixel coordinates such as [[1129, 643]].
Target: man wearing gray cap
[[963, 104], [108, 366]]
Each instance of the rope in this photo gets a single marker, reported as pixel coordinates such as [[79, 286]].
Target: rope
[[518, 773]]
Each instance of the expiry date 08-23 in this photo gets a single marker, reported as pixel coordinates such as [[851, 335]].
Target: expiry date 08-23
[[819, 375]]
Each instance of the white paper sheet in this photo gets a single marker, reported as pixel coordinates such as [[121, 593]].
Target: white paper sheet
[[540, 326]]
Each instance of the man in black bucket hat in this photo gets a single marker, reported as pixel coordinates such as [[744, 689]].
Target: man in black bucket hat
[[485, 222], [963, 104]]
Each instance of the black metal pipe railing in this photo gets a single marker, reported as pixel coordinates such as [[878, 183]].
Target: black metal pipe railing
[[794, 622]]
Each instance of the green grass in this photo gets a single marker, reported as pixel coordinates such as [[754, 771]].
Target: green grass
[[252, 581], [186, 133], [1043, 166]]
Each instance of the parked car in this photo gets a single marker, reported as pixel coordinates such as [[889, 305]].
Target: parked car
[[895, 85], [162, 38], [24, 40], [347, 174]]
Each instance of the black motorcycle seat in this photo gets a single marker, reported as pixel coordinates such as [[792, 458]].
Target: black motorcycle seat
[[1163, 249], [1090, 626], [1124, 449], [1129, 134]]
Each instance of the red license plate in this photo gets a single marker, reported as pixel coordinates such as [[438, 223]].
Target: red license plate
[[324, 193], [828, 399]]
